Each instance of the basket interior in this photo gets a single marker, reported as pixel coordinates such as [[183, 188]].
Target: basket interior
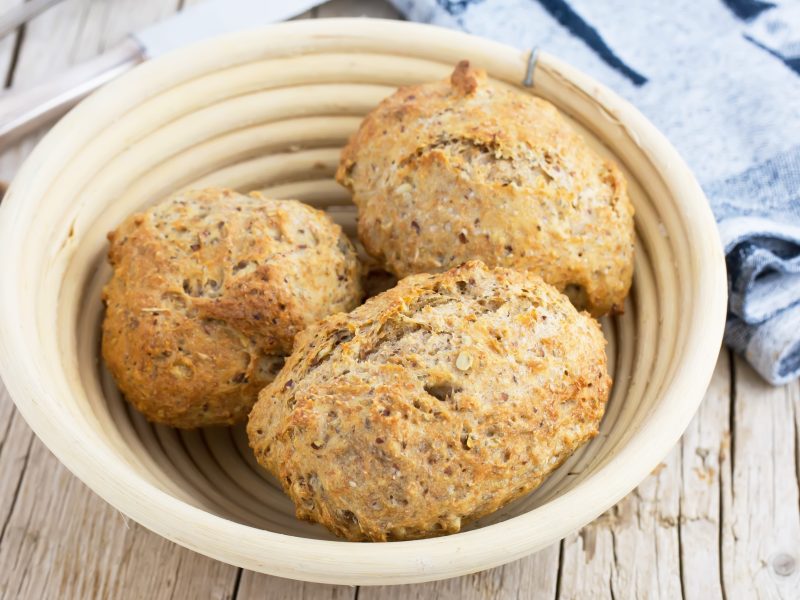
[[277, 126]]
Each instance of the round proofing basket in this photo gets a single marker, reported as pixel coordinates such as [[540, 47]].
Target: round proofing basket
[[269, 110]]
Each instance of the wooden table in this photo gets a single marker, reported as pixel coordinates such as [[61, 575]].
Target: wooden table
[[718, 518]]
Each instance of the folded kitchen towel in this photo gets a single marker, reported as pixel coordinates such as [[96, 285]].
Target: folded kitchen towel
[[721, 78]]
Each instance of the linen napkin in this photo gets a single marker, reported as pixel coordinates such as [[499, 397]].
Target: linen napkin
[[721, 79]]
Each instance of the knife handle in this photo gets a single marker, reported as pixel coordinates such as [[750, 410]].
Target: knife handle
[[24, 111]]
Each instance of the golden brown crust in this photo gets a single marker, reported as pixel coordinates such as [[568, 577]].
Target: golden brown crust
[[208, 291], [463, 168], [433, 404]]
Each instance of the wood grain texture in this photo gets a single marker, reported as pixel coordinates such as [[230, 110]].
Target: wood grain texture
[[62, 541], [719, 517], [256, 586], [532, 577], [761, 523], [704, 464]]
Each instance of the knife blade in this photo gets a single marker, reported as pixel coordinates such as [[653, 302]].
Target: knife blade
[[215, 17], [26, 110]]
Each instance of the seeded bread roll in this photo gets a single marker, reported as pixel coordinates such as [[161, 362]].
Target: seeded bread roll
[[466, 169], [433, 404], [208, 291]]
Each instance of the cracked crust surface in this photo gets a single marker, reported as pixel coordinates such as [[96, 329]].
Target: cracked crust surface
[[466, 169], [208, 291], [433, 404]]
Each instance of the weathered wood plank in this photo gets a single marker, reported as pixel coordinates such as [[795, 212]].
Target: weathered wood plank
[[255, 586], [68, 33], [705, 459], [761, 522], [63, 541], [47, 44], [15, 446], [531, 577]]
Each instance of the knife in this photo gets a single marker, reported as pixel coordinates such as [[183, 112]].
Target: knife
[[24, 111]]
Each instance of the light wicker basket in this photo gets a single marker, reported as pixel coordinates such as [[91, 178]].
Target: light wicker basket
[[269, 109]]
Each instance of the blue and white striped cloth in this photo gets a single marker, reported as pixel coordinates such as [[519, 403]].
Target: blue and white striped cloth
[[721, 78]]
